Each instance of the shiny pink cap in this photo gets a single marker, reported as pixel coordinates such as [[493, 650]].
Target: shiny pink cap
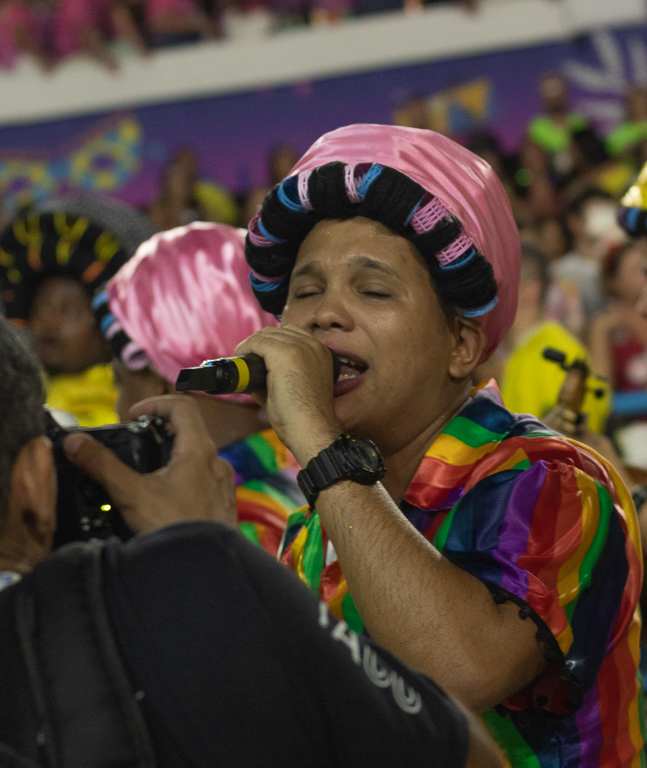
[[185, 297], [464, 183]]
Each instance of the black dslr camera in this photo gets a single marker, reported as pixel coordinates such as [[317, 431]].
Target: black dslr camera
[[84, 509]]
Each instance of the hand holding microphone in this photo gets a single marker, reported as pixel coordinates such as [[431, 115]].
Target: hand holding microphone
[[299, 402], [244, 374]]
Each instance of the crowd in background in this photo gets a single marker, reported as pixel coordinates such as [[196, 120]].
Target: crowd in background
[[50, 31], [581, 276]]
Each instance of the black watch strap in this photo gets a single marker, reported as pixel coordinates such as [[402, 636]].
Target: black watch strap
[[337, 463]]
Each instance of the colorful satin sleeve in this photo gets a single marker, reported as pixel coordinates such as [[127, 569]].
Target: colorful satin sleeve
[[267, 492], [263, 511], [552, 537], [547, 524]]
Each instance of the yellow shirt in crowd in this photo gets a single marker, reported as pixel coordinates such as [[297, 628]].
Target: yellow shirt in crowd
[[531, 383], [89, 396]]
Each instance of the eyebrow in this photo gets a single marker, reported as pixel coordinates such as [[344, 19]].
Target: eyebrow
[[362, 262]]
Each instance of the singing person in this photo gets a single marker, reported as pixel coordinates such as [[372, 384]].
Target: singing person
[[478, 546]]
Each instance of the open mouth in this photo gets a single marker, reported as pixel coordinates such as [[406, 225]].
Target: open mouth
[[350, 368], [351, 373]]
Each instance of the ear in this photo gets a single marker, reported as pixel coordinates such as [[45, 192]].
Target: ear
[[470, 344], [31, 517]]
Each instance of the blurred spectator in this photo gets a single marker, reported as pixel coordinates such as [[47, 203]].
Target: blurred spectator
[[563, 302], [183, 298], [619, 335], [591, 219], [174, 22], [553, 130], [85, 26], [282, 160], [629, 141], [161, 23], [56, 309], [250, 205], [554, 237], [530, 383], [413, 6], [52, 262], [93, 27], [546, 156], [591, 166], [129, 22], [185, 198], [412, 113], [486, 145], [23, 29]]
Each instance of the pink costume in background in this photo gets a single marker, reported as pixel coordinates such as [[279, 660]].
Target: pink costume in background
[[185, 297], [13, 15], [72, 15], [462, 182]]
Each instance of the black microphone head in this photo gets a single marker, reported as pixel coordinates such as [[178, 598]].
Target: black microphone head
[[204, 378]]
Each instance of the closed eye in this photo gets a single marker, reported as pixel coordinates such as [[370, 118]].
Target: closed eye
[[376, 292]]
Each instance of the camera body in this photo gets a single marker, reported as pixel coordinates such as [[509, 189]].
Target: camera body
[[84, 509]]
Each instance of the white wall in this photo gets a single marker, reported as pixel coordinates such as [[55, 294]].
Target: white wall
[[207, 69]]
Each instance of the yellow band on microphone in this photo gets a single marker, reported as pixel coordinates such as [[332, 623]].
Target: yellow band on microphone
[[243, 374]]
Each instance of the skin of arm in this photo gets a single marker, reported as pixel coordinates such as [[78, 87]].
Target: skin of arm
[[476, 650]]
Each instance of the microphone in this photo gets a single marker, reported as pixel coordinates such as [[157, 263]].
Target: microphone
[[232, 375]]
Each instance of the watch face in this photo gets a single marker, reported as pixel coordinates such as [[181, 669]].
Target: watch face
[[365, 461]]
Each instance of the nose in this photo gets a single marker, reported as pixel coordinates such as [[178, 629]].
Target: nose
[[46, 319], [332, 312]]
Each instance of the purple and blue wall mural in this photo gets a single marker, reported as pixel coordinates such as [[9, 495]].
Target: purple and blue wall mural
[[123, 154]]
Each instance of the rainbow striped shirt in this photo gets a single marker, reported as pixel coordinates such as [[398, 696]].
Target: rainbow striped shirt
[[543, 523], [266, 488]]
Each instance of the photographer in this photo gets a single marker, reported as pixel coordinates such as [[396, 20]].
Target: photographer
[[187, 646]]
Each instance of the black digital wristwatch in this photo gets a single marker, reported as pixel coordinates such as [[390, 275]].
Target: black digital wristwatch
[[348, 458]]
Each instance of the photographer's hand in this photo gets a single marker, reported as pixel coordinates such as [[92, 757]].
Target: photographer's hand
[[194, 485]]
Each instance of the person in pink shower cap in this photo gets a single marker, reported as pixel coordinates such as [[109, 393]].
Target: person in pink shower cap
[[184, 298], [475, 544]]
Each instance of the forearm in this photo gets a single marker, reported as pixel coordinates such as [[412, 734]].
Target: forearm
[[431, 614]]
